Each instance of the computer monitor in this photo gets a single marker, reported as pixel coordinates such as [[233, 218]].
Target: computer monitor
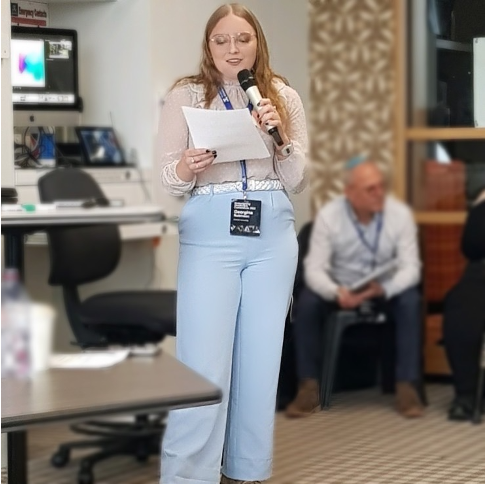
[[44, 65], [100, 146]]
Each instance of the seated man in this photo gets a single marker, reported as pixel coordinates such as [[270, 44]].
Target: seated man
[[352, 235], [464, 317]]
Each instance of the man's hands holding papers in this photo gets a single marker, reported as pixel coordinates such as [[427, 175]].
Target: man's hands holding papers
[[350, 300], [194, 161], [347, 299]]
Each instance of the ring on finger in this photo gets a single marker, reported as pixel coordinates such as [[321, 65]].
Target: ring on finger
[[193, 160]]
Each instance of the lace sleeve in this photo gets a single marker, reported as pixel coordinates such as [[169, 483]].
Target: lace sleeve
[[292, 171], [173, 139]]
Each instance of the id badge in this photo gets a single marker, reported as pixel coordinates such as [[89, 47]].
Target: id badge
[[245, 217]]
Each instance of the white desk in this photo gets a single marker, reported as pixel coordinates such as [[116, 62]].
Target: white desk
[[127, 184], [82, 216], [16, 224]]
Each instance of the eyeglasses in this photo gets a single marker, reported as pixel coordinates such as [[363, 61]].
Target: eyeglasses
[[240, 38]]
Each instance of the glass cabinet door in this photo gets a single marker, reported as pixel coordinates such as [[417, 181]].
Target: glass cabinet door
[[441, 61]]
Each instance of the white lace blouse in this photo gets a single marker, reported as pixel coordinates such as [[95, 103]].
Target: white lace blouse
[[174, 139]]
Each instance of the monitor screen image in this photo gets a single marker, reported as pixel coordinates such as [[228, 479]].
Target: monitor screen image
[[44, 69], [28, 70]]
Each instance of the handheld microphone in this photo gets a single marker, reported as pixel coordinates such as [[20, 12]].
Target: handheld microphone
[[248, 84]]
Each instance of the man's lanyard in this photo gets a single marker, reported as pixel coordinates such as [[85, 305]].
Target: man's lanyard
[[373, 248], [228, 105]]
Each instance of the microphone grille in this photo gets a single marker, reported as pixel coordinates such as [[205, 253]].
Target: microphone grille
[[246, 79]]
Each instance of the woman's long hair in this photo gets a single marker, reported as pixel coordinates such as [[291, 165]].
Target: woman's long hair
[[211, 78]]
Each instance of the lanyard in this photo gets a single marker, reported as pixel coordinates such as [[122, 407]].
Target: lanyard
[[228, 105], [373, 248]]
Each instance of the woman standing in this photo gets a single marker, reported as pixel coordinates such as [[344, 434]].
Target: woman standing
[[235, 276]]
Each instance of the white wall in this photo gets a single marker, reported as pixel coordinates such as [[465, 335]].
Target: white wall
[[114, 67], [286, 27], [6, 102]]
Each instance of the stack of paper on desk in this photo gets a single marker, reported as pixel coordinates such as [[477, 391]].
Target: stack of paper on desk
[[89, 360], [232, 133]]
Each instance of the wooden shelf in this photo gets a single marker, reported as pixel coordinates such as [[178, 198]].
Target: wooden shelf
[[432, 134], [423, 218]]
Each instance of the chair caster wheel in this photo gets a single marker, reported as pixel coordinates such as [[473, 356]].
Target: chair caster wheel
[[85, 477], [60, 458]]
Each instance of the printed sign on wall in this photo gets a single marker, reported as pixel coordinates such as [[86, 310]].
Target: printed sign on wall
[[29, 14]]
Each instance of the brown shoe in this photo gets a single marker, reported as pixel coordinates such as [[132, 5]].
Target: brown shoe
[[307, 400], [227, 480], [408, 402]]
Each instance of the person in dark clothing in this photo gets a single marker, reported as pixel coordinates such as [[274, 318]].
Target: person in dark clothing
[[304, 240], [473, 237], [464, 317]]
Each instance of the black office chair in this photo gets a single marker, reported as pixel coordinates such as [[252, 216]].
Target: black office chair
[[371, 314], [84, 254], [335, 327]]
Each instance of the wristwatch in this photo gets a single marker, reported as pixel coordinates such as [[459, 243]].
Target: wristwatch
[[287, 150]]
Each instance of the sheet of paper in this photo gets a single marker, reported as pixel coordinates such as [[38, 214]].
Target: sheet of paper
[[374, 275], [98, 359], [232, 133]]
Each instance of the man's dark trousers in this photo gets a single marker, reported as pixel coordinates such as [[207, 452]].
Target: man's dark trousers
[[312, 311]]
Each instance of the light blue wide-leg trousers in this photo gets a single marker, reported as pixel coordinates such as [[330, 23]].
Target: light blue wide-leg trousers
[[233, 297]]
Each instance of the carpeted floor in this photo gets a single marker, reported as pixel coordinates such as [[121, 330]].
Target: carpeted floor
[[361, 440]]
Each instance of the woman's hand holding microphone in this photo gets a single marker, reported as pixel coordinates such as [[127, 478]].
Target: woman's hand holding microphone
[[193, 162], [267, 116]]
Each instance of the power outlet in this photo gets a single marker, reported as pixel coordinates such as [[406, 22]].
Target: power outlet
[[134, 156]]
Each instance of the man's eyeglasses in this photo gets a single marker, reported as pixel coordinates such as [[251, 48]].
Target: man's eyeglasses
[[224, 40]]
